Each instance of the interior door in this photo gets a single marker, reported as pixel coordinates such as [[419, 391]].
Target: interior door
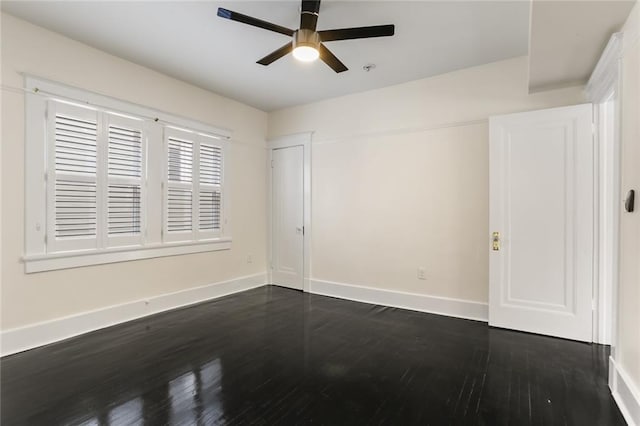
[[287, 168], [542, 220]]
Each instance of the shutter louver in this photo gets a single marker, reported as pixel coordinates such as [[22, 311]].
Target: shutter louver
[[210, 180], [125, 152], [73, 193], [124, 174], [210, 164], [179, 221], [180, 214], [76, 212], [180, 160], [124, 209], [75, 145], [209, 210]]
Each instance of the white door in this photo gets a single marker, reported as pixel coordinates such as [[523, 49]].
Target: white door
[[287, 168], [542, 206]]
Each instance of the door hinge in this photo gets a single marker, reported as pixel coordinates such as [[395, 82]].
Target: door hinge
[[495, 241], [45, 239], [303, 230], [593, 304], [272, 164]]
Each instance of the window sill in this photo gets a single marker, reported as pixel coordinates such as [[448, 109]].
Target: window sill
[[52, 262]]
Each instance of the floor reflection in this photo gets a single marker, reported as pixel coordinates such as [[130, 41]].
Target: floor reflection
[[129, 413]]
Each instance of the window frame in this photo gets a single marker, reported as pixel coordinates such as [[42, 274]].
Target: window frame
[[41, 253]]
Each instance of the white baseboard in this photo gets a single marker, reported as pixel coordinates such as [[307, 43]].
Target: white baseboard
[[416, 302], [625, 393], [31, 336]]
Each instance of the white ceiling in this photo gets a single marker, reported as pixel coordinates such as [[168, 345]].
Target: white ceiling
[[188, 41]]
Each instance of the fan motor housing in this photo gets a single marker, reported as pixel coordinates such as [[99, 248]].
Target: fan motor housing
[[308, 38]]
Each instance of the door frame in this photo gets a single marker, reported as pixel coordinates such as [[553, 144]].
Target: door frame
[[607, 237], [605, 85], [289, 141]]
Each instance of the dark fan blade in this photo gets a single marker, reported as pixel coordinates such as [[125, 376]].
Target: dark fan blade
[[309, 14], [276, 54], [239, 17], [331, 60], [360, 32]]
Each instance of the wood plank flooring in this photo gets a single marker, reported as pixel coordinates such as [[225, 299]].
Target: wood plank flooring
[[273, 356]]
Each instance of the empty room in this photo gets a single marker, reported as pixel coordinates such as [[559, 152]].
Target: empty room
[[320, 212]]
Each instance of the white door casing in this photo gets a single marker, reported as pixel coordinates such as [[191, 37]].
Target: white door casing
[[542, 205], [287, 188]]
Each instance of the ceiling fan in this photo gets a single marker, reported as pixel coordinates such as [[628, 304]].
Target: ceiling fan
[[307, 43]]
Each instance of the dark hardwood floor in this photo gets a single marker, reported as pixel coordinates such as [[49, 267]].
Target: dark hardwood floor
[[277, 356]]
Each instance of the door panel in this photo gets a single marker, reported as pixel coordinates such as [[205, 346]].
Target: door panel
[[287, 218], [541, 190]]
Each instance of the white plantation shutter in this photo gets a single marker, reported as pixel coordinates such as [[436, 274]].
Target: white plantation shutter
[[72, 177], [125, 173], [193, 193], [210, 188], [179, 192]]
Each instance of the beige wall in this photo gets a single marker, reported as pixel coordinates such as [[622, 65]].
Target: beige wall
[[628, 333], [400, 178], [32, 298]]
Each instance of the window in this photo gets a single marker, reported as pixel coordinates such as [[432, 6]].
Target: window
[[120, 183], [194, 185], [73, 168], [89, 147]]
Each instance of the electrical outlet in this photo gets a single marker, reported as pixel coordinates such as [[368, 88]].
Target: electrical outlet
[[422, 275], [249, 258]]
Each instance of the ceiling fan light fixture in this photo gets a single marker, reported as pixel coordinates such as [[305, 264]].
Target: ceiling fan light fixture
[[306, 53], [305, 45]]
